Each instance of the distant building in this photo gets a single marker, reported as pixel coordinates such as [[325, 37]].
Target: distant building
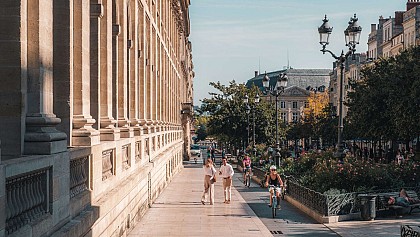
[[295, 97], [411, 26], [394, 34]]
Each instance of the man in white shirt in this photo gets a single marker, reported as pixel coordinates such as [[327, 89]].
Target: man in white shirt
[[226, 172]]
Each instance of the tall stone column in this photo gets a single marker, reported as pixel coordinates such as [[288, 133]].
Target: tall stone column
[[13, 74], [96, 13], [153, 77], [133, 70], [123, 121], [83, 132], [147, 120], [142, 67], [41, 136], [63, 68], [107, 125]]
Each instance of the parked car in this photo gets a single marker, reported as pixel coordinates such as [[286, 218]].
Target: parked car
[[195, 150]]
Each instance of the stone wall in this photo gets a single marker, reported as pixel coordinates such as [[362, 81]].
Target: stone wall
[[91, 127], [77, 203]]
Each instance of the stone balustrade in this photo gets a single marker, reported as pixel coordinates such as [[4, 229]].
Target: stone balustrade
[[78, 175], [27, 198]]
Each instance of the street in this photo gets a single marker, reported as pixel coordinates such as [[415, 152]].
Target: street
[[289, 221]]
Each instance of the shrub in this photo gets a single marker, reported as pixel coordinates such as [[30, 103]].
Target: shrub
[[322, 172]]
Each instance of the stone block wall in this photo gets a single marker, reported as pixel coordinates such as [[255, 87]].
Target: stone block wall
[[89, 206], [90, 125]]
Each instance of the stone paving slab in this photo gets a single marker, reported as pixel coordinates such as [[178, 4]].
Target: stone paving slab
[[388, 226], [178, 211]]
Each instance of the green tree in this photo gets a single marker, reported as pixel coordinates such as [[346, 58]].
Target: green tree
[[385, 102], [228, 118]]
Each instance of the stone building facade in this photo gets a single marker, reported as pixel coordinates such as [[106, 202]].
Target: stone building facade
[[294, 100], [95, 112], [395, 34]]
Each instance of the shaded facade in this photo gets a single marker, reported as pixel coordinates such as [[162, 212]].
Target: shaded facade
[[95, 112]]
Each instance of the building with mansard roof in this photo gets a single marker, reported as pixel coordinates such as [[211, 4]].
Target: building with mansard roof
[[95, 112], [301, 83]]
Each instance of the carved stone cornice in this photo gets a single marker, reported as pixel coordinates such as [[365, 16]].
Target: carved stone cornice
[[181, 16]]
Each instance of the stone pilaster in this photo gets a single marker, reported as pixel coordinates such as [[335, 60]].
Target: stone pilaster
[[107, 124], [41, 136], [133, 81], [13, 74], [83, 132], [123, 85], [116, 30], [96, 13], [63, 68]]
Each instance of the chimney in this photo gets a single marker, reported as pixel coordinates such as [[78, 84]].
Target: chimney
[[398, 18], [412, 3], [372, 27], [255, 73]]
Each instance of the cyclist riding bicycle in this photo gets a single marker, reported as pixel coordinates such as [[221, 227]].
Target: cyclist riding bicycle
[[247, 165], [274, 179]]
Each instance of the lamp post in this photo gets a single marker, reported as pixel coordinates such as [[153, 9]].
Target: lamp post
[[352, 36], [248, 110], [276, 91], [256, 101]]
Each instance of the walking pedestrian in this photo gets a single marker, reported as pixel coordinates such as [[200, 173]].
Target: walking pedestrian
[[226, 171], [209, 179]]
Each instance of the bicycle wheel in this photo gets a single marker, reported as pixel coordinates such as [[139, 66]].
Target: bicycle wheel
[[273, 207], [273, 211], [248, 180]]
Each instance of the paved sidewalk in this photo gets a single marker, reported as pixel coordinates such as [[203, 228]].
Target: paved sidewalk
[[178, 211], [380, 227]]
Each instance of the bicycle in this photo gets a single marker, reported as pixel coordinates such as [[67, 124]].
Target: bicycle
[[248, 177], [284, 188], [274, 202]]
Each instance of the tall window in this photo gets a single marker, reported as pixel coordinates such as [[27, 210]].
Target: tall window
[[283, 117], [295, 104], [306, 104], [282, 104], [295, 116]]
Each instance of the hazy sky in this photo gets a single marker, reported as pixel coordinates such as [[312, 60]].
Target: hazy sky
[[233, 38]]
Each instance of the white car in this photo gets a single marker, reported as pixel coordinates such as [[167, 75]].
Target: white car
[[195, 150]]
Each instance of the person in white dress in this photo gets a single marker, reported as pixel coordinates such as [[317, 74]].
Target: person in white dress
[[209, 174]]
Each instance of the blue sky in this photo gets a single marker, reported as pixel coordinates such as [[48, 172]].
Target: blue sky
[[233, 38]]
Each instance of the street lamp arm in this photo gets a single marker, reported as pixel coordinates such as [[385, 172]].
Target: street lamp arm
[[342, 58], [274, 92], [332, 54]]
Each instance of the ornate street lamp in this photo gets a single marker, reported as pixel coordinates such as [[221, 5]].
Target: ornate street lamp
[[256, 101], [352, 36], [276, 91], [248, 109]]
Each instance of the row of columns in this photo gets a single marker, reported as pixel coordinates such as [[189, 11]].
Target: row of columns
[[92, 70]]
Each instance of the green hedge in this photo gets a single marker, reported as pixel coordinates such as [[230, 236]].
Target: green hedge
[[322, 172]]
